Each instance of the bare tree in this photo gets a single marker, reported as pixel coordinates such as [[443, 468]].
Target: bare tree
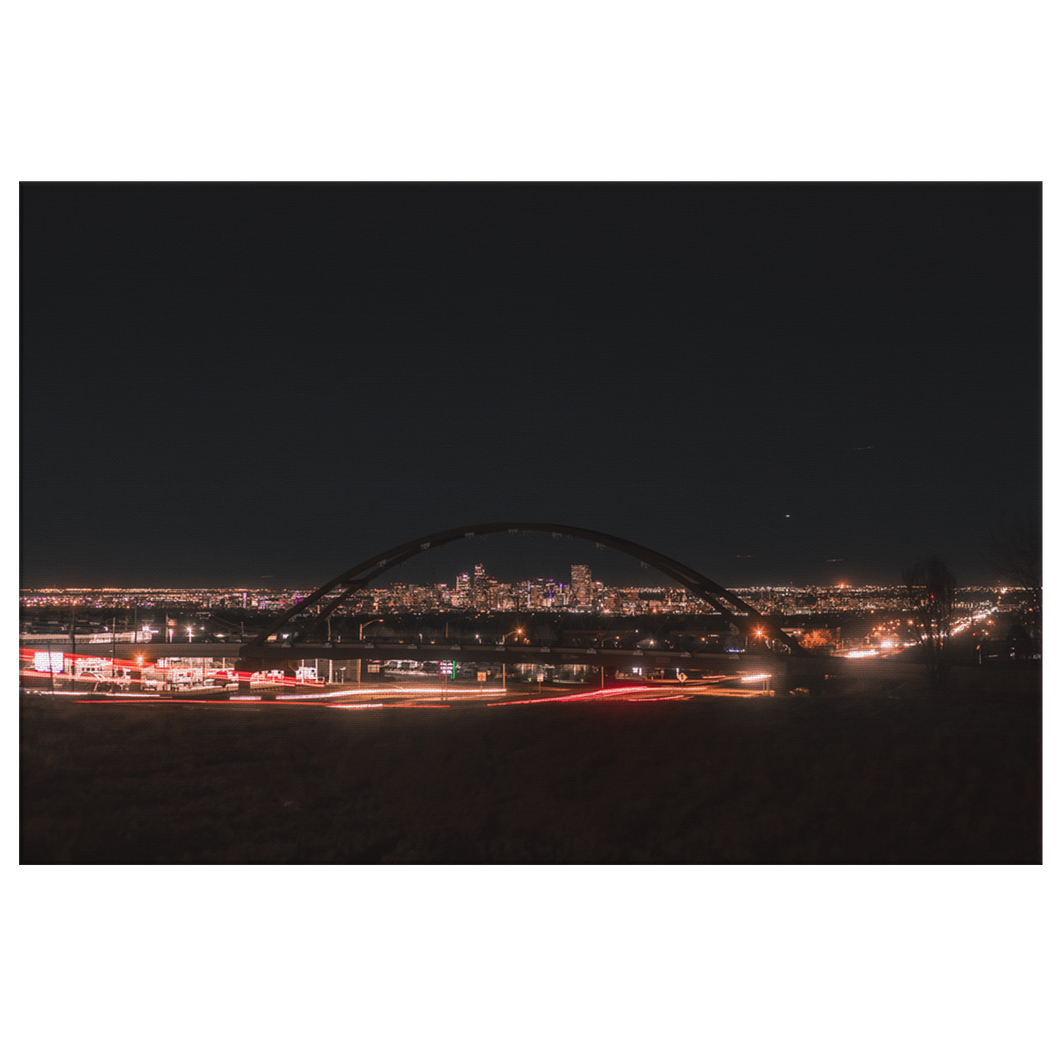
[[930, 591], [1016, 554]]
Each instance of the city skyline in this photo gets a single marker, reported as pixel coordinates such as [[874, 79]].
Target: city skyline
[[528, 594]]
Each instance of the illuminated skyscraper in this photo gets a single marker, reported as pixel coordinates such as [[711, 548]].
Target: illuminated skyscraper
[[581, 585], [462, 594]]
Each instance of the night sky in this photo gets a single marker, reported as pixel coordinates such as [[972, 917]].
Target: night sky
[[262, 385]]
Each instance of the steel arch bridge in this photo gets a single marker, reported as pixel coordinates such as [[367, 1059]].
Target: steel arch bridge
[[740, 614]]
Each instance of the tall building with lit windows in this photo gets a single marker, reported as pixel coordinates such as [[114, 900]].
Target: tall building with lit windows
[[462, 593], [581, 581]]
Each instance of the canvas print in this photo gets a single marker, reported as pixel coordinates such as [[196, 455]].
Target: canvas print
[[681, 523]]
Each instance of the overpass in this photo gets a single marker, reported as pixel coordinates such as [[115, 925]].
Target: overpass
[[786, 671], [252, 658]]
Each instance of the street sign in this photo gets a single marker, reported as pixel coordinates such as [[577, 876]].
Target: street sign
[[446, 668]]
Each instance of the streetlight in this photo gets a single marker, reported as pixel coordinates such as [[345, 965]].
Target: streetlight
[[360, 636], [504, 666]]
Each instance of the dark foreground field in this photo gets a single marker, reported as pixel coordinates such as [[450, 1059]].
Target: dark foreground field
[[826, 779]]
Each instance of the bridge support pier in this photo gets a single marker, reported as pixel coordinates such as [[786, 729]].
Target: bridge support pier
[[246, 667]]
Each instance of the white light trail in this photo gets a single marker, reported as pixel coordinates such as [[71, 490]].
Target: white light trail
[[436, 691]]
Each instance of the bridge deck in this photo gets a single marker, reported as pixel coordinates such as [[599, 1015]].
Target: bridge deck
[[616, 658]]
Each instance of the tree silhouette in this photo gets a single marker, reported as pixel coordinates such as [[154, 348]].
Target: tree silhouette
[[930, 591], [1016, 554]]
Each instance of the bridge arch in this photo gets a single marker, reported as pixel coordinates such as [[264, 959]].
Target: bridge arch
[[342, 586]]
